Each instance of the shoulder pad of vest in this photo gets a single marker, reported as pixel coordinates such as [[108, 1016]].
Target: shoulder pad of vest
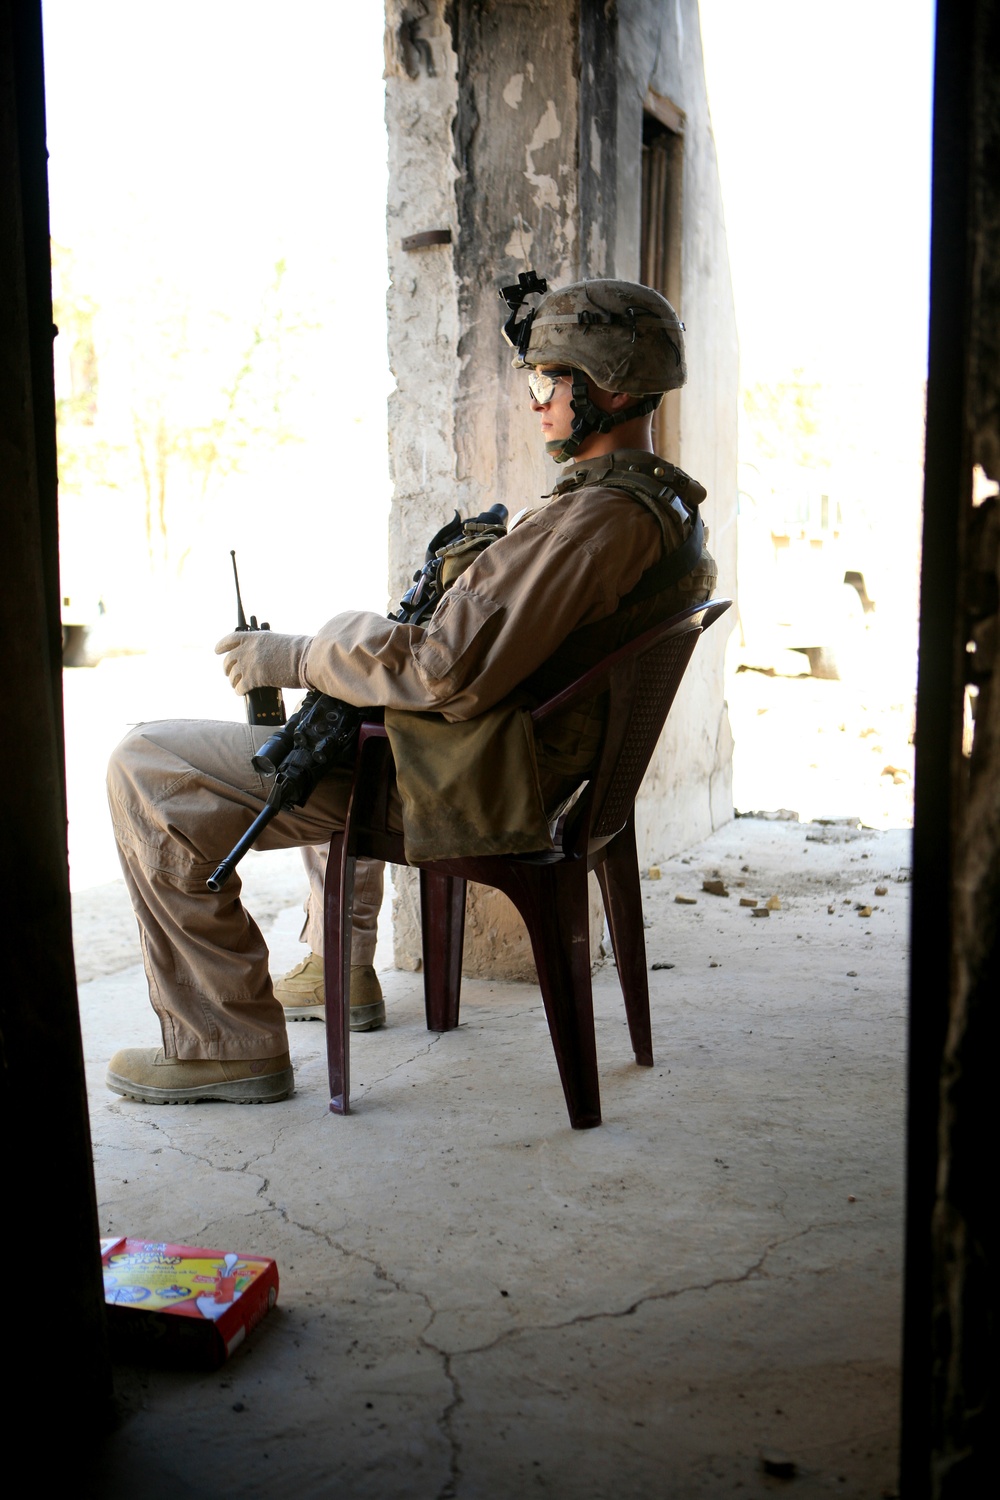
[[638, 474]]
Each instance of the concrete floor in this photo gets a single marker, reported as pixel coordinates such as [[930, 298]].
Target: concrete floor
[[478, 1302]]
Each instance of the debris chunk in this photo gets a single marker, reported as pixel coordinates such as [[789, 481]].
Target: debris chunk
[[881, 890], [899, 774], [830, 910], [779, 1465], [760, 911], [686, 900], [715, 887], [653, 873], [773, 903], [864, 911], [748, 900], [663, 966]]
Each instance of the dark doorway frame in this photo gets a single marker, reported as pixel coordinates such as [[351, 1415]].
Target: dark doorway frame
[[48, 1171]]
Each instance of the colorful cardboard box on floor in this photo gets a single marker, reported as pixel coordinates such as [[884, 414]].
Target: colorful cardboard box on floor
[[182, 1304]]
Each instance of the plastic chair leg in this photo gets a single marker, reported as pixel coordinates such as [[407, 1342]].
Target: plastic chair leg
[[618, 875], [442, 924], [553, 901], [337, 899]]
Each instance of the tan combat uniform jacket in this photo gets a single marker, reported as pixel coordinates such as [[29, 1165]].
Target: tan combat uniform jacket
[[532, 613]]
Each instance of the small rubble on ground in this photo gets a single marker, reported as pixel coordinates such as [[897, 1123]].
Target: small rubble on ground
[[809, 876]]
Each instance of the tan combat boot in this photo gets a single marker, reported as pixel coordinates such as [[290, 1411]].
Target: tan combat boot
[[302, 993], [144, 1073]]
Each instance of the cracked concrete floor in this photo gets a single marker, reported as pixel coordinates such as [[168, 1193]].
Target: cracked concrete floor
[[478, 1302]]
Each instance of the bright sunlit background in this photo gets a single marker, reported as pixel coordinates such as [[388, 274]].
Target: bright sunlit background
[[822, 121], [218, 181]]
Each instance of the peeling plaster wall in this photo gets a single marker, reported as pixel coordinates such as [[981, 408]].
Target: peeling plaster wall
[[421, 101], [516, 150], [520, 128], [490, 154]]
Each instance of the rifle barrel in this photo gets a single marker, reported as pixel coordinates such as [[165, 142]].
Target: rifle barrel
[[218, 878]]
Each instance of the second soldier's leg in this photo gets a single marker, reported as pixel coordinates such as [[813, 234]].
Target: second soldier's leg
[[301, 991], [368, 887]]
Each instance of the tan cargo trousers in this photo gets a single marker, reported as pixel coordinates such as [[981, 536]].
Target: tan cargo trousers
[[181, 794]]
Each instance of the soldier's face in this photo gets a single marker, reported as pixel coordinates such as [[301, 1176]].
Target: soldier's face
[[555, 415]]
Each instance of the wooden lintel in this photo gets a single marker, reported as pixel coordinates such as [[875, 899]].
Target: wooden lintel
[[664, 110]]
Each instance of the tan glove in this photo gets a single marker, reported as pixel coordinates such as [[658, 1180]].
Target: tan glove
[[262, 658]]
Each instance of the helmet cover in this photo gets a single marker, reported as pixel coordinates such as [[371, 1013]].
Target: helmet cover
[[625, 336]]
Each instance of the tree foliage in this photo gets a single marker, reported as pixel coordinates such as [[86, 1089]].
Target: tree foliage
[[786, 422], [162, 404]]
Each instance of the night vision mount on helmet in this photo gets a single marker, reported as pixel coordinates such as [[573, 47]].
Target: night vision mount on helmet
[[625, 337]]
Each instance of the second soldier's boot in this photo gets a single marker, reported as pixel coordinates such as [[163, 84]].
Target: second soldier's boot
[[303, 996]]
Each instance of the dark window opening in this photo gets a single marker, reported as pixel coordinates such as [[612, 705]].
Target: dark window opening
[[662, 178]]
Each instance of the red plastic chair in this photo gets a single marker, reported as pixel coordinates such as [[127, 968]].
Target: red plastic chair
[[549, 889]]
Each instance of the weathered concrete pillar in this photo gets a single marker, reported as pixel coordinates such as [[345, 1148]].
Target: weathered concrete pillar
[[519, 131], [482, 142]]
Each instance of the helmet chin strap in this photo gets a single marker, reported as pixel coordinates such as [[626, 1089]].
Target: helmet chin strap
[[588, 418]]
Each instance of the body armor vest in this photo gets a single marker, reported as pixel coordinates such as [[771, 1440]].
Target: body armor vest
[[684, 574]]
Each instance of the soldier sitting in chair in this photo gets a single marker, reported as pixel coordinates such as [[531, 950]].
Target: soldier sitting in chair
[[616, 547]]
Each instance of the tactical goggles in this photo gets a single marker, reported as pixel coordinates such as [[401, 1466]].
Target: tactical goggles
[[542, 384]]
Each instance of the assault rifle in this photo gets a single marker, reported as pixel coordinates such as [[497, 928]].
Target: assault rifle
[[323, 732]]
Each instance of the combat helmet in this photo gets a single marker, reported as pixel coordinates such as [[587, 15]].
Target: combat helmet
[[624, 336]]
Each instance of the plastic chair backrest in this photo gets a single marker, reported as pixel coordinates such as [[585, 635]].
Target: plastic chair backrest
[[641, 680]]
